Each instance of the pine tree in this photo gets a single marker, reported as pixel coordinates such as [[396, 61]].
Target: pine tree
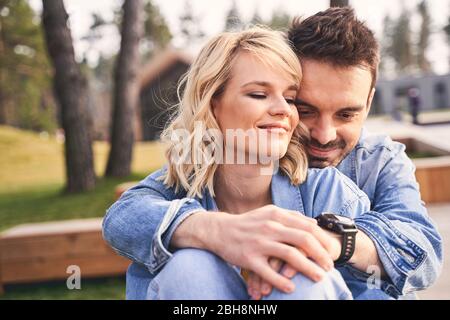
[[233, 20], [190, 26], [424, 38], [71, 92], [386, 46], [447, 32], [256, 19], [401, 46], [339, 3], [280, 20], [125, 91]]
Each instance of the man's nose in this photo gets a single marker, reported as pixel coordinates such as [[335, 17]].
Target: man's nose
[[324, 131]]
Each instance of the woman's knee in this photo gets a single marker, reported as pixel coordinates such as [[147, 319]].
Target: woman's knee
[[331, 287], [190, 260], [196, 274]]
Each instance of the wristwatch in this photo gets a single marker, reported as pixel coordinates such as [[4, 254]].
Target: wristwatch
[[343, 226]]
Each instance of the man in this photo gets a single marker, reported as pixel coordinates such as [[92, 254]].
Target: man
[[396, 240]]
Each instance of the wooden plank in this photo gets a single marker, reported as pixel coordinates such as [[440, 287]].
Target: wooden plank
[[43, 251], [88, 243], [121, 188], [37, 270], [434, 183], [53, 228]]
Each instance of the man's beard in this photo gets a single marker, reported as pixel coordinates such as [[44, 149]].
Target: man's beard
[[319, 162]]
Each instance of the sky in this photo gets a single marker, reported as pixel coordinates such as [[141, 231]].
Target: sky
[[212, 18]]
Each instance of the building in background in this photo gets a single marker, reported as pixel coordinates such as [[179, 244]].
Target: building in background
[[158, 92], [392, 95]]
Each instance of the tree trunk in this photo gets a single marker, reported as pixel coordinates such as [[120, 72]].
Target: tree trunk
[[71, 92], [125, 91], [339, 3]]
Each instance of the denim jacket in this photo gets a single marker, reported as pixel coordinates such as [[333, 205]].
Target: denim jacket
[[407, 242]]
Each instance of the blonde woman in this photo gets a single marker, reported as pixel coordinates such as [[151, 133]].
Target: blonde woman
[[236, 167]]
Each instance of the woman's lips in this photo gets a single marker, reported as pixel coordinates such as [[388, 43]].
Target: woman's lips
[[275, 129]]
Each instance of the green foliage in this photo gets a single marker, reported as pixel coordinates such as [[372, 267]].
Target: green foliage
[[280, 20], [156, 31], [401, 43], [397, 42], [24, 69]]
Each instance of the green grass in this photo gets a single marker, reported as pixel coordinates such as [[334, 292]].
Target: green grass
[[91, 289], [48, 203], [420, 154], [31, 190]]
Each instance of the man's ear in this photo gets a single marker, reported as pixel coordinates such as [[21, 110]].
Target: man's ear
[[370, 99]]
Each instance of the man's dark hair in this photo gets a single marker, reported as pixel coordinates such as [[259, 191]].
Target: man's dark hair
[[337, 37]]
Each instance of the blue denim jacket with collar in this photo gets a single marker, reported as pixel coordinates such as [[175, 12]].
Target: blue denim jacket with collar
[[407, 242]]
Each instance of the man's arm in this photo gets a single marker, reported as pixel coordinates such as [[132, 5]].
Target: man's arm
[[407, 242], [365, 255], [139, 227]]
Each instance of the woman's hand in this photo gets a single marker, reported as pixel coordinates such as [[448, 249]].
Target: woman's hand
[[257, 287], [251, 239]]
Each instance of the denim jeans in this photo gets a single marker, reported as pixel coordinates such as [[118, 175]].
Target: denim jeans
[[194, 274]]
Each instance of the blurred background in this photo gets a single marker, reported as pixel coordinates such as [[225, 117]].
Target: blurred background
[[87, 86]]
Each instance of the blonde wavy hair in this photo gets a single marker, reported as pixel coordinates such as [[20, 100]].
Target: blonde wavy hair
[[207, 79]]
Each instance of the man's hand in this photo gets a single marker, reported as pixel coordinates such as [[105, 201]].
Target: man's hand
[[250, 239]]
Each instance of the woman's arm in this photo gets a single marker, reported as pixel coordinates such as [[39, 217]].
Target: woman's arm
[[131, 223]]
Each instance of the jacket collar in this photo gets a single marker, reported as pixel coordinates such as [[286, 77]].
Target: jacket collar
[[348, 165], [284, 195]]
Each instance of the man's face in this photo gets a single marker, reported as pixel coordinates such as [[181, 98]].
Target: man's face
[[333, 103]]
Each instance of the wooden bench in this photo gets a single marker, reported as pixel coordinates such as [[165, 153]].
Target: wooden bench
[[121, 188], [433, 176], [43, 251]]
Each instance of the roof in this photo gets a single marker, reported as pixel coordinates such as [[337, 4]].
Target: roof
[[161, 62]]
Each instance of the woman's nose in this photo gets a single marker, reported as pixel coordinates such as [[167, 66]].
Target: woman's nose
[[281, 107]]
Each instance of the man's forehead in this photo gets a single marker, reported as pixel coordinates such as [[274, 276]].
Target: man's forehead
[[330, 107], [314, 70], [325, 84]]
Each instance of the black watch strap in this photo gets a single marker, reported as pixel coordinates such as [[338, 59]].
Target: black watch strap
[[348, 246]]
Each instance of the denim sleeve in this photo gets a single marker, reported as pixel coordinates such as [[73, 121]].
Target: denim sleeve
[[136, 226], [408, 243], [328, 190]]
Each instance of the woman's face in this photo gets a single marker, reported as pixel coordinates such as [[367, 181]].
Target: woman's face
[[259, 101]]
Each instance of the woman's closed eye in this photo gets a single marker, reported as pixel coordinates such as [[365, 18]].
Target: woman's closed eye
[[290, 100], [257, 95]]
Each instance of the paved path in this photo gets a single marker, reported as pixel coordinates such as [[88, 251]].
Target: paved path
[[438, 135], [441, 289]]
